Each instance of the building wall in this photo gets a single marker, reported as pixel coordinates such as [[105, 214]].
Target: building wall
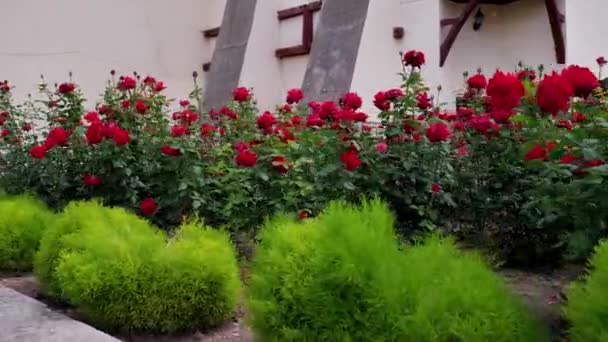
[[164, 38], [157, 37]]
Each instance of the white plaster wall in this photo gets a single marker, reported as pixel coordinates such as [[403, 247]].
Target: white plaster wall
[[378, 62], [587, 31], [157, 37], [269, 76]]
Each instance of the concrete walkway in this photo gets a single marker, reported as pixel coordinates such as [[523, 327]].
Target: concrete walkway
[[24, 319]]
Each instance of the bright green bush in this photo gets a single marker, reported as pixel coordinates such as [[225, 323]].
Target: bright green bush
[[587, 308], [22, 223], [73, 218], [342, 277], [124, 275]]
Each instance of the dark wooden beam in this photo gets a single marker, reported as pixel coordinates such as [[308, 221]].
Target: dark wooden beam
[[556, 31], [448, 21], [212, 33], [292, 51], [299, 10], [447, 44]]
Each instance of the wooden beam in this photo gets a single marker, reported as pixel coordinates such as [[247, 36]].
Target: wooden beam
[[556, 31], [299, 10], [447, 44], [448, 21], [212, 33]]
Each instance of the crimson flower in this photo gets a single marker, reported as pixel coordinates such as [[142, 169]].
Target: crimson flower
[[601, 61], [284, 134], [381, 101], [140, 106], [328, 109], [477, 82], [171, 151], [582, 79], [314, 120], [303, 215], [207, 130], [179, 130], [160, 86], [294, 96], [553, 94], [149, 80], [125, 104], [578, 117], [66, 88], [382, 147], [351, 160], [505, 91], [26, 127], [296, 120], [438, 131], [241, 94], [92, 180], [184, 103], [126, 83], [360, 117], [95, 133], [38, 151], [436, 187], [351, 101], [567, 159], [279, 164], [57, 137], [148, 207], [423, 101], [92, 117], [5, 133], [567, 124], [414, 58], [266, 121], [246, 158], [120, 136], [539, 152]]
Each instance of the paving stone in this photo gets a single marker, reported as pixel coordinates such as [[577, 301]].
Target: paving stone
[[24, 319]]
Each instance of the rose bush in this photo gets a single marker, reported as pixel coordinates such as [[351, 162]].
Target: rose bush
[[517, 167]]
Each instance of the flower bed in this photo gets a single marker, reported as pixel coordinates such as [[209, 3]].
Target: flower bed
[[517, 169]]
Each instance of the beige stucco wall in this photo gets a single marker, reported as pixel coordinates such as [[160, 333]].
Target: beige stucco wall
[[90, 37], [164, 38]]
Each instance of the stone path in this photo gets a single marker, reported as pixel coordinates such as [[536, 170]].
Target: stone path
[[23, 319]]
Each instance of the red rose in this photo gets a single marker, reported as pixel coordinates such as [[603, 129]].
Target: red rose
[[303, 215], [351, 101], [483, 124], [140, 106], [462, 151], [567, 124], [294, 96], [594, 163], [5, 133], [266, 121], [189, 117], [477, 82], [184, 103], [149, 80], [328, 110], [360, 117], [225, 111], [284, 134], [5, 87], [381, 101], [437, 132], [207, 130], [103, 109], [148, 207], [582, 79], [120, 136], [95, 133], [160, 86], [435, 187], [26, 127], [505, 91], [459, 126], [393, 94], [279, 164], [423, 101], [578, 117], [414, 58], [126, 83], [171, 151], [246, 158], [241, 94], [537, 152], [601, 61], [464, 112], [296, 120], [179, 131], [240, 146], [553, 94], [350, 159], [314, 120], [91, 180], [57, 137], [125, 104], [38, 151], [382, 147], [66, 88], [567, 159]]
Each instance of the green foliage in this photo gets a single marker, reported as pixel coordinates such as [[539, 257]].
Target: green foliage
[[124, 274], [73, 218], [342, 277], [23, 220], [587, 307]]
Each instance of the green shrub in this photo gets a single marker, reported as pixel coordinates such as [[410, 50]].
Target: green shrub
[[124, 275], [342, 277], [22, 223], [587, 308], [73, 218]]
